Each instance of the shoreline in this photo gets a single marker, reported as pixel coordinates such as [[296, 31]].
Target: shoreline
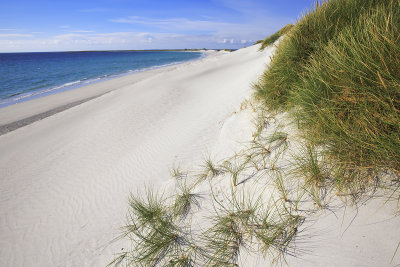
[[17, 115], [79, 84], [150, 50], [6, 128]]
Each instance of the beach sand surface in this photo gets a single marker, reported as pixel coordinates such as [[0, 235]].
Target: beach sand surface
[[65, 179]]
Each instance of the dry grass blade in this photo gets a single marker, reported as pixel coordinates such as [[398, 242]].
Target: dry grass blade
[[177, 173]]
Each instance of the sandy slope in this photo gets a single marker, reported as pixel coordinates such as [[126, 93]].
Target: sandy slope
[[65, 179], [364, 234]]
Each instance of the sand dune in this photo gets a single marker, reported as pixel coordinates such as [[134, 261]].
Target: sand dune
[[65, 179]]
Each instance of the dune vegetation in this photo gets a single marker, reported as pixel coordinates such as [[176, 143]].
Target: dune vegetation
[[338, 72], [335, 75]]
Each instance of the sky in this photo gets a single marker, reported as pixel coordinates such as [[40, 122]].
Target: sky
[[76, 25]]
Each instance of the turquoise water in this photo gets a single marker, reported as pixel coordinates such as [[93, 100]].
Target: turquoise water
[[25, 76]]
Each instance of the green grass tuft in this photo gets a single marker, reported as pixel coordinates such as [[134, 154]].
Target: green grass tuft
[[310, 165], [234, 167], [245, 224], [209, 170], [157, 239], [338, 71], [185, 201]]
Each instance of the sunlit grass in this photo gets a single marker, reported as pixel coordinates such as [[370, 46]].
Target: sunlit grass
[[243, 223], [157, 238], [338, 73]]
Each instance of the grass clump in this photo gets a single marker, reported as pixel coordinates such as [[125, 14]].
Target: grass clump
[[177, 173], [234, 167], [272, 38], [161, 234], [316, 173], [147, 211], [354, 104], [338, 71], [185, 201], [157, 238], [309, 36], [209, 170], [246, 224]]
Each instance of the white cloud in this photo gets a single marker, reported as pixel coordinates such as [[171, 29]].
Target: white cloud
[[117, 41], [15, 35], [253, 28], [80, 41], [176, 24], [252, 21], [159, 33]]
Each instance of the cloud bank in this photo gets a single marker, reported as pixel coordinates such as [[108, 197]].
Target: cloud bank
[[116, 41], [140, 32]]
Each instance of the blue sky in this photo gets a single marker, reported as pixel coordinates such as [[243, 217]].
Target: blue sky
[[54, 25]]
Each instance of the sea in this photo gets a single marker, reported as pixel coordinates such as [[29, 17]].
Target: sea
[[25, 76]]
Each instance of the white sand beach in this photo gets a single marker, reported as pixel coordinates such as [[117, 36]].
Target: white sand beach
[[65, 179]]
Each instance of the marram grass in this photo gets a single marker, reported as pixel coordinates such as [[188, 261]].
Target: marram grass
[[156, 234], [338, 71], [161, 236], [185, 201]]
